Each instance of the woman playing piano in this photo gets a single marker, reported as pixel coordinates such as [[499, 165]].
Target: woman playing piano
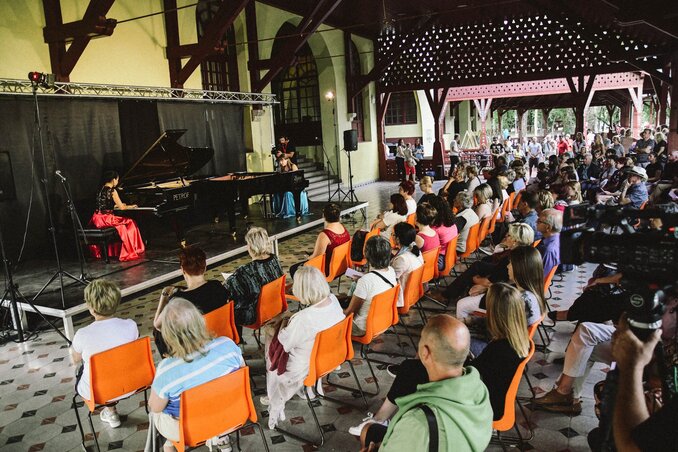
[[107, 200], [283, 203]]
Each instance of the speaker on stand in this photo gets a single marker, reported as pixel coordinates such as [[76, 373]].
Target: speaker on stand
[[350, 145]]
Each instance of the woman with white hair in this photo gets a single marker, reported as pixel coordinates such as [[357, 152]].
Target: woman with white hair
[[195, 358], [463, 202], [244, 285], [297, 337]]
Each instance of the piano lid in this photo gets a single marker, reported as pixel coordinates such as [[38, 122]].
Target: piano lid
[[166, 159]]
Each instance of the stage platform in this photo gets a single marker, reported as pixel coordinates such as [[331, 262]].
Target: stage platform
[[160, 264]]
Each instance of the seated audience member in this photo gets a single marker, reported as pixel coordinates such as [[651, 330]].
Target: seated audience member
[[426, 186], [102, 298], [644, 146], [526, 271], [570, 195], [406, 189], [527, 212], [668, 180], [408, 258], [519, 182], [396, 213], [546, 200], [482, 197], [660, 147], [244, 285], [634, 193], [463, 203], [481, 274], [439, 380], [609, 169], [455, 184], [549, 225], [634, 428], [472, 178], [194, 358], [444, 225], [380, 278], [427, 237], [297, 336], [588, 170], [333, 234], [654, 169], [205, 295]]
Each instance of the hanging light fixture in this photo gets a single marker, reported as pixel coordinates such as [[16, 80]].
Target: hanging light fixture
[[386, 25]]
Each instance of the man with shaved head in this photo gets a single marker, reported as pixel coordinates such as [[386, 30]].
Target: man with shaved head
[[454, 402]]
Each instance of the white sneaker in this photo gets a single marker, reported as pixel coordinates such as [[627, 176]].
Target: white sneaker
[[110, 417], [357, 429]]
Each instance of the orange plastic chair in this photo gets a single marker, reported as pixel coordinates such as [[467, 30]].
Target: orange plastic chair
[[508, 419], [547, 282], [412, 219], [221, 322], [331, 349], [317, 262], [536, 243], [471, 241], [383, 314], [412, 295], [363, 261], [126, 369], [272, 301], [484, 229], [450, 258], [505, 207], [493, 222], [215, 408], [430, 264], [339, 261], [516, 200]]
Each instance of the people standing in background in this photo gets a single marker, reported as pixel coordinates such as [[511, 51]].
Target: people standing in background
[[496, 149], [579, 145], [660, 147], [410, 163], [589, 137], [400, 159], [455, 151], [419, 155], [644, 146], [535, 153], [628, 140]]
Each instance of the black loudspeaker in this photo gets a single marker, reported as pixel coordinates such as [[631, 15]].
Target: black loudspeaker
[[7, 190], [350, 140]]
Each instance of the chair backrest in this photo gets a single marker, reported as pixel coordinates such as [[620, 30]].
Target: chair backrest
[[120, 370], [493, 221], [221, 322], [430, 264], [339, 261], [533, 328], [332, 347], [516, 200], [413, 289], [484, 229], [272, 301], [549, 277], [450, 258], [471, 240], [505, 207], [218, 406], [511, 197], [536, 243], [317, 262], [508, 419], [383, 313], [412, 219]]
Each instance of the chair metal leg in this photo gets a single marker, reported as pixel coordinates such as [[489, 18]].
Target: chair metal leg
[[357, 381], [407, 331], [146, 400], [94, 434], [77, 417], [364, 350], [317, 424], [261, 432]]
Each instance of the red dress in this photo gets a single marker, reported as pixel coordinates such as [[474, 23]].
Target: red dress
[[132, 245], [335, 241]]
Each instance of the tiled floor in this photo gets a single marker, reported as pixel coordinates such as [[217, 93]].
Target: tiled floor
[[36, 381]]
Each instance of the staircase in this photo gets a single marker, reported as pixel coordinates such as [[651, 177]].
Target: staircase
[[317, 178]]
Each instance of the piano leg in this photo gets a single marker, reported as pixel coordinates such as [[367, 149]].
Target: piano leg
[[230, 210], [297, 203], [178, 226]]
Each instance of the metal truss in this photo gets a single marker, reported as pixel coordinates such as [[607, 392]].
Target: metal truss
[[11, 86]]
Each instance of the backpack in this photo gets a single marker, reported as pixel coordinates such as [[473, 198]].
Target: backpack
[[358, 244]]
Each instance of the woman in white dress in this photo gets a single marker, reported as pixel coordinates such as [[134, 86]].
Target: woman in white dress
[[297, 336]]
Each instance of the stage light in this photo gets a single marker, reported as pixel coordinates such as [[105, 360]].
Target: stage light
[[42, 79], [329, 95]]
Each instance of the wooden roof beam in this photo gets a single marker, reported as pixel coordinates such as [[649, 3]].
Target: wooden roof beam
[[308, 26]]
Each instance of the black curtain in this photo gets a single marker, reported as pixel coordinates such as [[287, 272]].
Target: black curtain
[[84, 137]]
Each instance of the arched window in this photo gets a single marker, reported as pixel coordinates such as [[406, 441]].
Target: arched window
[[402, 109], [296, 88], [355, 71], [219, 71]]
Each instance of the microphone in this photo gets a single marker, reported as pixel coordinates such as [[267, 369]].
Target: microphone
[[60, 176]]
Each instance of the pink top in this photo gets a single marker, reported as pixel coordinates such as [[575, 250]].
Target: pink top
[[445, 233], [430, 243]]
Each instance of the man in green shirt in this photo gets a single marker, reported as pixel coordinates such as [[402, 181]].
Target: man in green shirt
[[455, 394]]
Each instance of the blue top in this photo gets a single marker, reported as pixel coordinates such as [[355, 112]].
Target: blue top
[[531, 220], [549, 247], [174, 375], [637, 194]]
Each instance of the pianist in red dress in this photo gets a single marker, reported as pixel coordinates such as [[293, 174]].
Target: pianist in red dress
[[107, 200]]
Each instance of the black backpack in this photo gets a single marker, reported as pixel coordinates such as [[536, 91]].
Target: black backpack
[[357, 245]]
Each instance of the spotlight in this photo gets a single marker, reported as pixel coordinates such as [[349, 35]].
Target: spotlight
[[329, 95], [42, 79]]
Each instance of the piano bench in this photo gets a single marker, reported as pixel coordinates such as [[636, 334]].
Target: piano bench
[[102, 237]]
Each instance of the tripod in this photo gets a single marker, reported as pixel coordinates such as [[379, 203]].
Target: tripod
[[351, 193], [338, 192], [15, 295], [75, 222], [60, 272]]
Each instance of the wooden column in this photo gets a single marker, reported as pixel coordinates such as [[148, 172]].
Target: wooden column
[[483, 107], [382, 103], [663, 100], [437, 101], [500, 114], [673, 116], [545, 116], [520, 115], [637, 99], [625, 116]]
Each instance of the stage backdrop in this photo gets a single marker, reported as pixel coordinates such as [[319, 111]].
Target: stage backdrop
[[83, 137]]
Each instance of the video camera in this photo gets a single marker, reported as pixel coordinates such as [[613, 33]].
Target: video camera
[[646, 257]]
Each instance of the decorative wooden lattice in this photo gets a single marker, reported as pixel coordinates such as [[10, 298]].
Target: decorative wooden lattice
[[513, 49]]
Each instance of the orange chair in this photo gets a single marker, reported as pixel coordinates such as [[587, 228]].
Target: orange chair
[[471, 242], [493, 222], [331, 349], [505, 208], [412, 219], [341, 256], [484, 229], [317, 262], [450, 259], [383, 314], [536, 243], [412, 295], [272, 301], [516, 200], [114, 373], [430, 271], [221, 322], [547, 283], [218, 407], [374, 232], [508, 419]]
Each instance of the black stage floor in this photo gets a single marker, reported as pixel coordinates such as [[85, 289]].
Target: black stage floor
[[160, 263]]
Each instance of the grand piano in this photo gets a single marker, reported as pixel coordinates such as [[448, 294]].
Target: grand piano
[[161, 183]]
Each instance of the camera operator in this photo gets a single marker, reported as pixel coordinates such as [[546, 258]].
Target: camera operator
[[634, 427]]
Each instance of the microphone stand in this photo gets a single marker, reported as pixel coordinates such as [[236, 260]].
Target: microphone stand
[[76, 223]]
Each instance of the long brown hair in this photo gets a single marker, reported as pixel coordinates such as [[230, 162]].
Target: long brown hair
[[528, 272], [506, 317]]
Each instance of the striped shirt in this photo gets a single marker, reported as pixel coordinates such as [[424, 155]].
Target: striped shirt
[[174, 375]]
